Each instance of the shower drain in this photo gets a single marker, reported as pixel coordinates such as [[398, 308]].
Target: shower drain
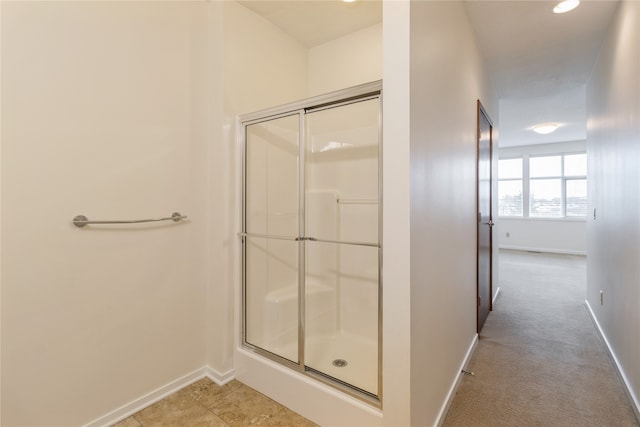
[[339, 363]]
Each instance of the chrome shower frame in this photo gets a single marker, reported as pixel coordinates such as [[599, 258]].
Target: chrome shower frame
[[335, 99]]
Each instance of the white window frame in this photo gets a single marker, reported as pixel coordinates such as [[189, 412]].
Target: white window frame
[[526, 181], [525, 165]]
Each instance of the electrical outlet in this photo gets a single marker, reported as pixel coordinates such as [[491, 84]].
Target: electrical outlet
[[601, 297]]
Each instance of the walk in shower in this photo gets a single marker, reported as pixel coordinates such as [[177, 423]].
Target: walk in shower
[[311, 238]]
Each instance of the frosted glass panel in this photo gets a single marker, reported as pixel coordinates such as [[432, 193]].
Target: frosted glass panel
[[341, 211], [271, 296], [342, 172], [271, 212], [341, 322], [272, 177]]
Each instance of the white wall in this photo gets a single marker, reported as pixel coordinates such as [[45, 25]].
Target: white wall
[[396, 299], [217, 192], [103, 115], [543, 235], [0, 219], [347, 61], [263, 66], [447, 77], [613, 111]]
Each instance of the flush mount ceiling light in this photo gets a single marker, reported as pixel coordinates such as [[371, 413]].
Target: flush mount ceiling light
[[566, 6], [545, 128]]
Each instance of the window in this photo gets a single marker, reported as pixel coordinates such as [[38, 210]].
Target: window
[[545, 186], [575, 172], [555, 186], [510, 187]]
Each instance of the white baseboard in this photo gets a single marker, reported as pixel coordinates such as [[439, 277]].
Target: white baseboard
[[545, 250], [635, 402], [217, 377], [454, 387], [148, 399], [495, 297]]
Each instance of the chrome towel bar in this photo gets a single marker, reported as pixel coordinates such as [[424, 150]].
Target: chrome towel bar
[[81, 220]]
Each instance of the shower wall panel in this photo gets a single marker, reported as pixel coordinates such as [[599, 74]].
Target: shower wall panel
[[322, 272]]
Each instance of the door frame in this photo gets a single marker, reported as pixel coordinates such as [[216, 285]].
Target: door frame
[[481, 112]]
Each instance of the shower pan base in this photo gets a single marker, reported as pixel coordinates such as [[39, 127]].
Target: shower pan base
[[303, 394], [360, 354]]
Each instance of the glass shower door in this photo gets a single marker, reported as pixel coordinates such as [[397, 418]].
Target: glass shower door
[[271, 224], [342, 243], [311, 238]]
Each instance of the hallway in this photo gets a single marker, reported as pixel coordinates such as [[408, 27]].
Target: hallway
[[539, 360]]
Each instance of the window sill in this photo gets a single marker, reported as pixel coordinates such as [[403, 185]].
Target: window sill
[[559, 219]]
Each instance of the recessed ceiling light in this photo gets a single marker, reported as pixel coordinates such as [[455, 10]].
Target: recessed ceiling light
[[566, 6], [348, 1], [545, 128]]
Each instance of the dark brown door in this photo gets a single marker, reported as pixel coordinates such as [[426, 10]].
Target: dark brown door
[[485, 222]]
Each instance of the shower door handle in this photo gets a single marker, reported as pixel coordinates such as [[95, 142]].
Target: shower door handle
[[268, 236], [342, 242]]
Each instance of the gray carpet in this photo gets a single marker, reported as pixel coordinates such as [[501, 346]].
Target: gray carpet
[[539, 360]]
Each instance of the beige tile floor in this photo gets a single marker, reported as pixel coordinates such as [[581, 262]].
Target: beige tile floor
[[204, 403]]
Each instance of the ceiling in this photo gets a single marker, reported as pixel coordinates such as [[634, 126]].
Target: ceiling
[[314, 22], [538, 62]]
